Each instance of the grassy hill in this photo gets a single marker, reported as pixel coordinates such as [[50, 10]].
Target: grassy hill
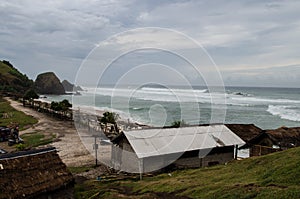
[[12, 81], [272, 176]]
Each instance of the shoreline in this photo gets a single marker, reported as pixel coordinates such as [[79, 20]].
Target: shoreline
[[68, 141], [95, 112]]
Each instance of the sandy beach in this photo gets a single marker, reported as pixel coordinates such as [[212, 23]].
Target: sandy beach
[[70, 148]]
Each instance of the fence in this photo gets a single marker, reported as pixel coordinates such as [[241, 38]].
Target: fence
[[258, 150]]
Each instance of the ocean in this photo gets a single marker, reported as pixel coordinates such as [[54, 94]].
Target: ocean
[[267, 108]]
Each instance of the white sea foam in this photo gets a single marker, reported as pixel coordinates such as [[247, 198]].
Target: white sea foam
[[237, 104], [169, 90], [264, 100], [285, 109], [161, 94], [188, 95], [99, 110], [285, 112], [137, 108]]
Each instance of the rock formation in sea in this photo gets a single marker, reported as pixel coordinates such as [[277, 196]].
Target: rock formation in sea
[[48, 83], [71, 87]]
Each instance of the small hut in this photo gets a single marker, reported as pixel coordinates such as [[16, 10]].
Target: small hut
[[34, 174], [269, 141]]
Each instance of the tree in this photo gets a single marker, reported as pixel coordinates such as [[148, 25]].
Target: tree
[[63, 105], [178, 123], [7, 63], [55, 106], [30, 94], [109, 117]]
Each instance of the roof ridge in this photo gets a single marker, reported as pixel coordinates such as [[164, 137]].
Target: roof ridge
[[27, 153]]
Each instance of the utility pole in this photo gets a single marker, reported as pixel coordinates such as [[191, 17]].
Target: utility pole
[[95, 147]]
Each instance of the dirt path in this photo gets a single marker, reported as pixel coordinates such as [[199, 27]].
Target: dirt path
[[71, 150]]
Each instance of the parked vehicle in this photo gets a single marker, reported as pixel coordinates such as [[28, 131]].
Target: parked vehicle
[[4, 133], [15, 140]]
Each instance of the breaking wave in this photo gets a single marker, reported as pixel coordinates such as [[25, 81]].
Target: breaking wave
[[189, 95], [285, 112]]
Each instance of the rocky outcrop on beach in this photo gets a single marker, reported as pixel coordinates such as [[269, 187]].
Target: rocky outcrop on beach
[[71, 87], [48, 83]]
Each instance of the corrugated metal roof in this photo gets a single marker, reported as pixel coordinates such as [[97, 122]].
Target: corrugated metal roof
[[154, 142]]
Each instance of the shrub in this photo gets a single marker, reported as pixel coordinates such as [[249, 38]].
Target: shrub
[[20, 147]]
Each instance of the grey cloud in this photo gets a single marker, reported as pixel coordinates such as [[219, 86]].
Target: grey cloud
[[56, 35], [281, 76]]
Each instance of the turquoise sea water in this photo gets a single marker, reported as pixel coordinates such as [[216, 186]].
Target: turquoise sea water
[[158, 106]]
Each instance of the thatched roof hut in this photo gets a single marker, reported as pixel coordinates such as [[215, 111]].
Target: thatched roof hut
[[245, 131], [34, 174], [282, 137], [286, 137]]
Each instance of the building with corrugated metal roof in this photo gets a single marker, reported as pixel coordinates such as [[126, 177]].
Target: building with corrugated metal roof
[[150, 150]]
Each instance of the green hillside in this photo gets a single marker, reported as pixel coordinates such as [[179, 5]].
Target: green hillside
[[15, 117], [12, 81], [272, 176]]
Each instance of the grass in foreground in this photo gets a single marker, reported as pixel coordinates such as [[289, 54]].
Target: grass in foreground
[[32, 140], [75, 170], [14, 116], [272, 176]]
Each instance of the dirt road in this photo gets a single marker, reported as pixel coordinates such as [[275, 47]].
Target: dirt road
[[71, 150]]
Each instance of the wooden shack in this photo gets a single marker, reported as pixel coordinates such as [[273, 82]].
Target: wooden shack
[[34, 174], [270, 141]]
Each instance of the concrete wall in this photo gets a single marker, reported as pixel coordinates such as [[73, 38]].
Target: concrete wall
[[209, 160], [192, 162], [124, 159], [214, 159]]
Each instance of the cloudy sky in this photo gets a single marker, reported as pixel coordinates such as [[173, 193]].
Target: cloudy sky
[[253, 43]]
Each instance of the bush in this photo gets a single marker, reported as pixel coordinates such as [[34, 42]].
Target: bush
[[20, 147], [61, 106], [178, 123]]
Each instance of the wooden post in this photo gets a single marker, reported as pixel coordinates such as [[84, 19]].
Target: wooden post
[[236, 152], [259, 150], [141, 166]]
